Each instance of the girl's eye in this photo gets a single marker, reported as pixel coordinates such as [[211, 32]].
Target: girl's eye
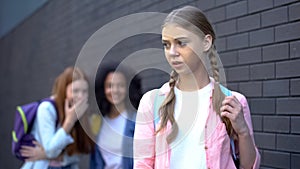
[[182, 43], [75, 90], [166, 45], [107, 86], [121, 85]]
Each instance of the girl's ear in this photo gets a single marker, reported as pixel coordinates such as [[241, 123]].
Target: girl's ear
[[207, 42]]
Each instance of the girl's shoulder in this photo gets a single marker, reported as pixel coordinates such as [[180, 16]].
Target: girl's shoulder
[[163, 90], [46, 105], [148, 98], [46, 108], [240, 97]]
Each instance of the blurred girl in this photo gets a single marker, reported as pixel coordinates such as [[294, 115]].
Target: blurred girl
[[117, 98], [59, 135]]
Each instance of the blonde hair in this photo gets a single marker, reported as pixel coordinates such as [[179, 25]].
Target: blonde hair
[[190, 17]]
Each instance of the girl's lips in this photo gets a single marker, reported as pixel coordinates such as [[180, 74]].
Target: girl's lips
[[177, 64]]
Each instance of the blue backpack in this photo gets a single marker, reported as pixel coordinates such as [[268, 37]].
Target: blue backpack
[[24, 119], [159, 100]]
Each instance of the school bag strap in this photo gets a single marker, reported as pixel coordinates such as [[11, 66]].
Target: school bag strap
[[158, 100]]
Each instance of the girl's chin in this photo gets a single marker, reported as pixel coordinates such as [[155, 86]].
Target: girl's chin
[[114, 102]]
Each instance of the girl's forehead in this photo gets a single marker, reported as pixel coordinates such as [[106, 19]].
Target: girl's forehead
[[186, 27], [79, 82], [115, 74], [173, 31], [115, 77]]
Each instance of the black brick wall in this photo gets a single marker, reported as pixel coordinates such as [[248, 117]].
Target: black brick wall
[[258, 42]]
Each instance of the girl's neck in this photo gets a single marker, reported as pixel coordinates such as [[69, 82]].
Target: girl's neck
[[193, 81], [115, 110]]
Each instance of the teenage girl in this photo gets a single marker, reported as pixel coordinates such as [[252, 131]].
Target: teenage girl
[[196, 121]]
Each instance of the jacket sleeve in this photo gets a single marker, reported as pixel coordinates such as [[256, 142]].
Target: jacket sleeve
[[247, 116], [144, 136], [53, 141]]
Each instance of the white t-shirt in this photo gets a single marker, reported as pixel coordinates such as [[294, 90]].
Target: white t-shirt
[[191, 111], [110, 141]]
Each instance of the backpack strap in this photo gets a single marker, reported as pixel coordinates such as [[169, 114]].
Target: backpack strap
[[158, 100], [226, 91]]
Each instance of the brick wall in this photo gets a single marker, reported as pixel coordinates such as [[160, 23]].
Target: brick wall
[[260, 39], [258, 42]]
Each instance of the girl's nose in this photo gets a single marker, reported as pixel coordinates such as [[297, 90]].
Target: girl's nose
[[80, 95], [173, 50], [114, 88]]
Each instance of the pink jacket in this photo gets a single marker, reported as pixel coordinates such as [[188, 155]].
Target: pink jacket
[[152, 151]]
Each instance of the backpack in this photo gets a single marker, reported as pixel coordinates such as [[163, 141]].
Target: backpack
[[159, 100], [24, 119]]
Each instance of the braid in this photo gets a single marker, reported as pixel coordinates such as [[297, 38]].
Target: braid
[[214, 64], [218, 96], [167, 109]]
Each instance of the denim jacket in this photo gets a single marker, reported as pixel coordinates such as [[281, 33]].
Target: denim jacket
[[96, 160]]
